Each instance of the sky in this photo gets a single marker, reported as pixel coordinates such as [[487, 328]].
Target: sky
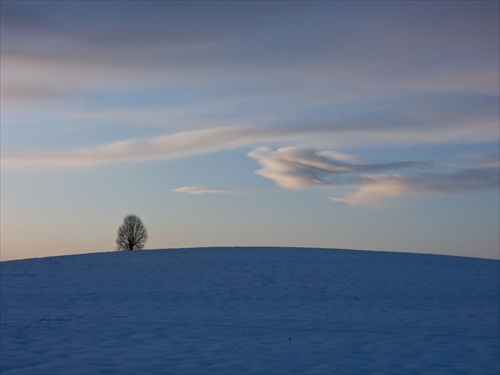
[[359, 125]]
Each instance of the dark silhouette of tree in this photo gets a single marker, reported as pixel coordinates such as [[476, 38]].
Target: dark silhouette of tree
[[132, 235]]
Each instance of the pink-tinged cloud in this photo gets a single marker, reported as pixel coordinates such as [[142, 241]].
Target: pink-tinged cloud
[[297, 168], [276, 163], [379, 190], [155, 148]]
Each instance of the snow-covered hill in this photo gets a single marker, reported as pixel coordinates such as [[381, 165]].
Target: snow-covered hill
[[250, 310]]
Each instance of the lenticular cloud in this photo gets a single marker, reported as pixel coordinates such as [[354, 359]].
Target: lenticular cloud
[[296, 168]]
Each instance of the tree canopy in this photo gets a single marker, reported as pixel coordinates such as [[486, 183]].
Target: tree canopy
[[132, 234]]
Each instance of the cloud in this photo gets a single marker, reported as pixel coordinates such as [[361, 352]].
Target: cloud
[[196, 190], [486, 160], [330, 81], [377, 189], [213, 139], [298, 167], [462, 180], [155, 148], [293, 46]]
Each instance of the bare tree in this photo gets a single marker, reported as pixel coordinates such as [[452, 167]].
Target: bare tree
[[132, 235]]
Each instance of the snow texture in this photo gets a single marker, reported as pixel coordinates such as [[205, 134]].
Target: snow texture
[[250, 310]]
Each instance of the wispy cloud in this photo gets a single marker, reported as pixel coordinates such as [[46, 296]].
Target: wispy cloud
[[328, 58], [485, 160], [375, 190], [213, 139], [155, 148], [379, 189], [247, 75], [405, 38], [198, 190], [296, 168]]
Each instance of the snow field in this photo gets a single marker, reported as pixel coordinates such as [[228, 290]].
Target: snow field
[[250, 310]]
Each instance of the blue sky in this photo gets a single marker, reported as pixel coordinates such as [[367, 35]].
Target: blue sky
[[368, 125]]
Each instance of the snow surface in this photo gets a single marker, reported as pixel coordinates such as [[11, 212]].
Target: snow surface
[[250, 310]]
